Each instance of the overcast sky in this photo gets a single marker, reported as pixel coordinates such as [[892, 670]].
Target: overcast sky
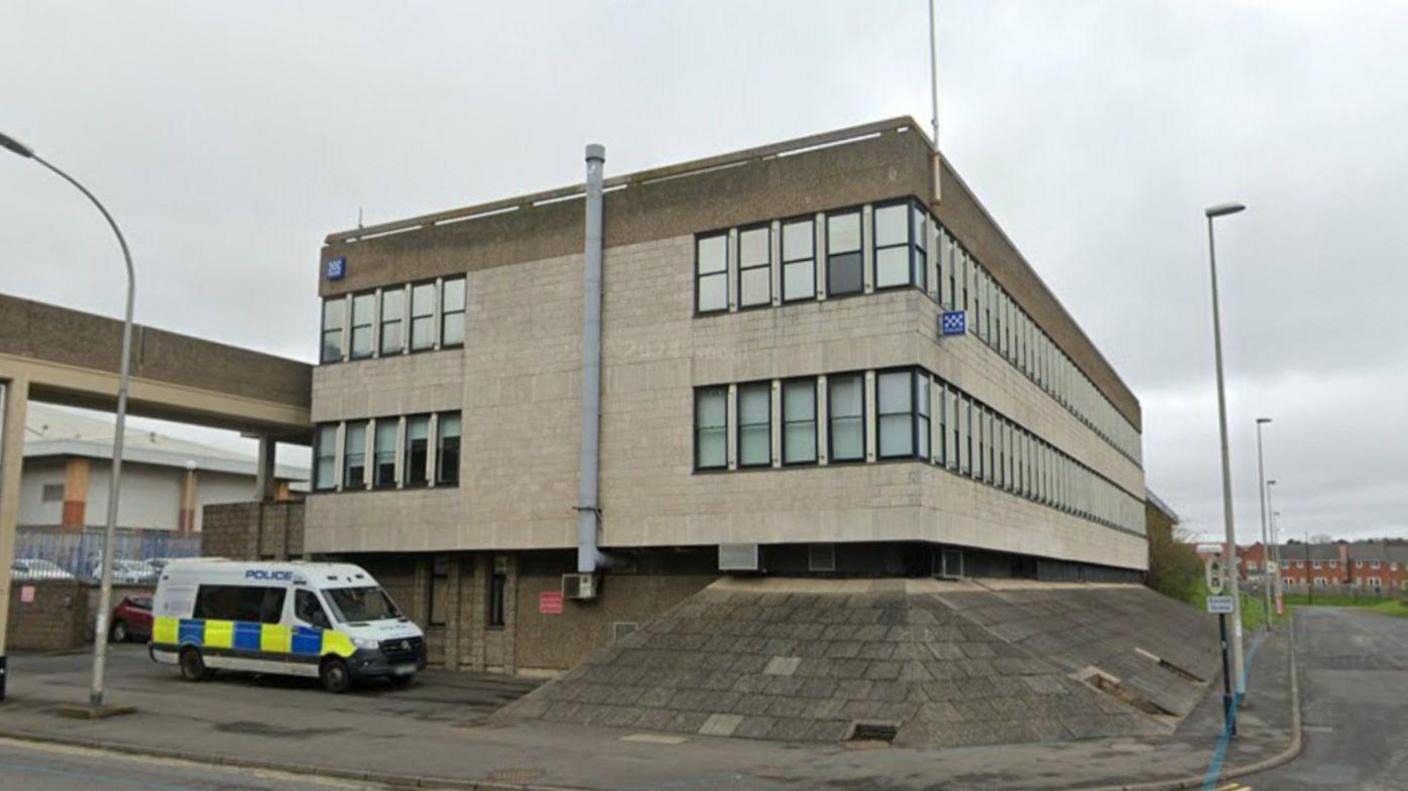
[[230, 138]]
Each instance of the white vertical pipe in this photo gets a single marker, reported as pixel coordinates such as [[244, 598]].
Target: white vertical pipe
[[588, 513]]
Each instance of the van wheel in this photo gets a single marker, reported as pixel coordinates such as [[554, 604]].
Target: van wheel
[[193, 666], [335, 676], [118, 633]]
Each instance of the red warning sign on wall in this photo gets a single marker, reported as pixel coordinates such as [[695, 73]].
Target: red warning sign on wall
[[550, 602]]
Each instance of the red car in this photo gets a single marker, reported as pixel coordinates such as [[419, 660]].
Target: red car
[[131, 619]]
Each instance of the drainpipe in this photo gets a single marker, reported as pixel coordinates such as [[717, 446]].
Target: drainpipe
[[588, 512]]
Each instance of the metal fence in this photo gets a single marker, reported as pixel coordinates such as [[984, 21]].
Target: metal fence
[[137, 557]]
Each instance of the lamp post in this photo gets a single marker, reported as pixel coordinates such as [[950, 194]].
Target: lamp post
[[1230, 550], [100, 632], [1265, 530], [1271, 514]]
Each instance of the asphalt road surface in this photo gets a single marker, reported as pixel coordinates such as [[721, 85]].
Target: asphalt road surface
[[1353, 670], [30, 767]]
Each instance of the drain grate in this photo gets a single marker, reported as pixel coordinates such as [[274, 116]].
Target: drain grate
[[515, 775], [874, 731], [1108, 684]]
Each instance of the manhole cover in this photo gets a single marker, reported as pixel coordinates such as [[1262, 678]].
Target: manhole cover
[[515, 775]]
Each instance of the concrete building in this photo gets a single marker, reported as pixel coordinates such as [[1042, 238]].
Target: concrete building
[[166, 481], [781, 395]]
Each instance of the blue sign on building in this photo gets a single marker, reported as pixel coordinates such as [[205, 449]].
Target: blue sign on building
[[336, 268], [953, 322]]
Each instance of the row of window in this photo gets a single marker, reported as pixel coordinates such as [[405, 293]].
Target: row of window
[[898, 235], [828, 420], [387, 453], [391, 320]]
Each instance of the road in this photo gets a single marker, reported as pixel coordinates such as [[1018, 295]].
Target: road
[[30, 767], [1353, 669]]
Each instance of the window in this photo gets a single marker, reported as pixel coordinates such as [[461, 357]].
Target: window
[[798, 260], [903, 410], [941, 452], [843, 258], [438, 590], [248, 603], [393, 321], [498, 585], [384, 453], [846, 406], [52, 493], [711, 273], [447, 449], [309, 610], [334, 316], [711, 428], [919, 262], [755, 266], [452, 312], [325, 458], [354, 456], [755, 425], [422, 316], [899, 245], [417, 450], [821, 557], [362, 305], [799, 421]]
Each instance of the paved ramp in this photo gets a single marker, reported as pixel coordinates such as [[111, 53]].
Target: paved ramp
[[933, 663]]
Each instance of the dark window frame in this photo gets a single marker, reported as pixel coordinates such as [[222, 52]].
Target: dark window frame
[[911, 386], [369, 326], [699, 392], [445, 313], [347, 454], [407, 481], [412, 317], [760, 384], [831, 457], [440, 478], [395, 422], [400, 322], [810, 220], [698, 276], [340, 330], [811, 382], [911, 244], [859, 252], [497, 599], [318, 457], [742, 268]]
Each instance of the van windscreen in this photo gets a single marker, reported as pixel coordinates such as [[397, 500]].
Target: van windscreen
[[351, 605]]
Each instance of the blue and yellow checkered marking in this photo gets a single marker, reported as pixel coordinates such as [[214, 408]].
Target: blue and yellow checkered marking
[[263, 638]]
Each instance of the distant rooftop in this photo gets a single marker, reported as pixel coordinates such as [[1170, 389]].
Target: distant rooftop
[[51, 431]]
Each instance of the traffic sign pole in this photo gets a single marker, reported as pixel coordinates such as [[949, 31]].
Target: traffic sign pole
[[1229, 714]]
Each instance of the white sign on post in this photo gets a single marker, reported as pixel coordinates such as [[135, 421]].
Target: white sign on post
[[1221, 605]]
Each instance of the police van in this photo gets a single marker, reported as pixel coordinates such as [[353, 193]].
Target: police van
[[329, 621]]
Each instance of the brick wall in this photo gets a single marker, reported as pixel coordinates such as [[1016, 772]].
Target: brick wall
[[250, 531], [56, 620]]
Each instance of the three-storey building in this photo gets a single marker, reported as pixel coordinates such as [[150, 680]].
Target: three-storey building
[[815, 360]]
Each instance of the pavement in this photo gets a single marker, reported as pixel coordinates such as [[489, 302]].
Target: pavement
[[438, 733], [1353, 668]]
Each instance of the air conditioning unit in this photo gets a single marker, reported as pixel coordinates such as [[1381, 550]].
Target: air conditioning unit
[[579, 586], [738, 557]]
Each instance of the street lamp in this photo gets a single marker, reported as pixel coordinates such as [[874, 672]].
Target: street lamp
[[1271, 514], [1230, 550], [1265, 531], [100, 641]]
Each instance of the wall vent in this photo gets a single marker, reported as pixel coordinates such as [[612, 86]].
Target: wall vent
[[821, 557], [862, 731], [579, 586], [951, 564], [738, 557]]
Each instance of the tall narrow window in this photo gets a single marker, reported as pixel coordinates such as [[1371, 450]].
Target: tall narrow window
[[498, 587], [979, 441], [422, 316], [334, 319], [711, 428], [941, 452], [325, 458], [711, 273], [755, 425], [894, 391], [798, 260], [384, 453], [799, 421], [755, 266], [447, 449], [919, 261], [452, 312], [393, 321], [954, 432], [354, 456], [362, 305], [921, 414], [417, 450], [846, 406], [892, 246], [843, 258]]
